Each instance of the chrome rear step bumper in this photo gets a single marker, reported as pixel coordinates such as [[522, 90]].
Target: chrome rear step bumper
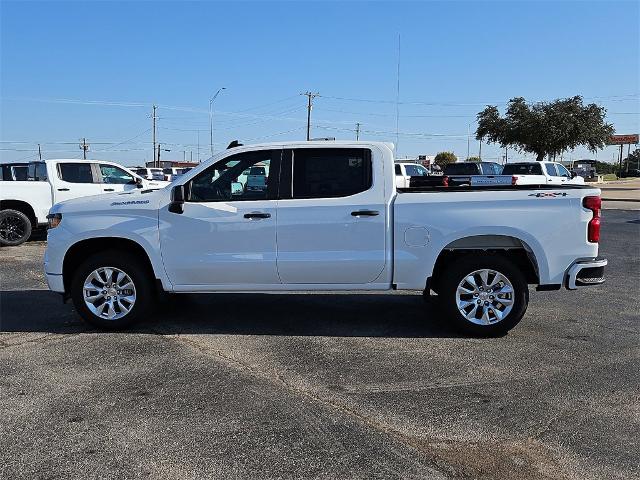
[[585, 273]]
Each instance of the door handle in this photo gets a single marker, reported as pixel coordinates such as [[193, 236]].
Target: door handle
[[108, 189], [365, 213], [63, 189], [257, 215]]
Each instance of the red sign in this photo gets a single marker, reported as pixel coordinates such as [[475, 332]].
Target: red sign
[[623, 139]]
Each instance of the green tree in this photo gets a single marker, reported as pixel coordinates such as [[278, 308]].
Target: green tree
[[545, 128], [444, 158], [474, 159]]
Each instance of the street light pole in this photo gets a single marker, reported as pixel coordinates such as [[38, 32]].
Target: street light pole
[[211, 100]]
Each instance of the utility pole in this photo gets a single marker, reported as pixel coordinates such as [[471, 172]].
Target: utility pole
[[154, 135], [39, 153], [357, 131], [506, 155], [480, 150], [84, 146], [310, 97], [211, 100], [468, 139]]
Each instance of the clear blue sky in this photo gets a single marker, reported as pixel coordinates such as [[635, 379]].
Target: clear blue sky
[[455, 58]]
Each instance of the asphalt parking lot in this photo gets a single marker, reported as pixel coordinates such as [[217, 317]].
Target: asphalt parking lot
[[323, 386]]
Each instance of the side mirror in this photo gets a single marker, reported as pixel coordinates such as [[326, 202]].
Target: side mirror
[[236, 188], [574, 174], [177, 199], [139, 183]]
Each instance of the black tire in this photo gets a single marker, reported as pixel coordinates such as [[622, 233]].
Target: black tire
[[15, 228], [137, 272], [462, 268]]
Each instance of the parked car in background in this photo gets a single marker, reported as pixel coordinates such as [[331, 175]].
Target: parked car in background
[[472, 168], [12, 172], [541, 173], [330, 218], [171, 173], [24, 205], [405, 170], [150, 173], [475, 174]]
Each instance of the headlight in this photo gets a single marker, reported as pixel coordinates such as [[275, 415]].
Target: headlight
[[54, 219]]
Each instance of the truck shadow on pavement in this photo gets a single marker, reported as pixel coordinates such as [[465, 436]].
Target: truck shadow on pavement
[[333, 315]]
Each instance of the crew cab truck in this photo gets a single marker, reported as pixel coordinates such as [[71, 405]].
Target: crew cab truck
[[541, 173], [331, 218], [24, 205]]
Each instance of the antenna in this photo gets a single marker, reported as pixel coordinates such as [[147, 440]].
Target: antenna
[[398, 101]]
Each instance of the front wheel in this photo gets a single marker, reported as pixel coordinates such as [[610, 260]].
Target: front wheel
[[15, 228], [484, 296], [112, 290]]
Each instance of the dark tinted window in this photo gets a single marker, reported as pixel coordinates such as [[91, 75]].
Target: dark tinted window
[[19, 173], [330, 172], [522, 169], [398, 170], [462, 169], [227, 180], [75, 172], [38, 171]]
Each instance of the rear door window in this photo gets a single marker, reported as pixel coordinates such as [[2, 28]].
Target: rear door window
[[331, 172], [76, 172]]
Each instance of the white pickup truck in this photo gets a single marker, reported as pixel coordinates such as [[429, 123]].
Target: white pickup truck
[[24, 205], [541, 173], [330, 218]]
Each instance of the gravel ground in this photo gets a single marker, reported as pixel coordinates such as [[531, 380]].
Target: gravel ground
[[323, 386]]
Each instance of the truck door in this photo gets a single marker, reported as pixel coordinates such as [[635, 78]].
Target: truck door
[[73, 180], [226, 234], [552, 174], [331, 217]]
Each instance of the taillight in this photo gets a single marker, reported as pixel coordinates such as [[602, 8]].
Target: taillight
[[445, 181], [514, 180], [593, 229]]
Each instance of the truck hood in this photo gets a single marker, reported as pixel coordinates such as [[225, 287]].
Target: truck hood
[[139, 199]]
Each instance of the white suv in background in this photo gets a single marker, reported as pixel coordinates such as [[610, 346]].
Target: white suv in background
[[541, 173]]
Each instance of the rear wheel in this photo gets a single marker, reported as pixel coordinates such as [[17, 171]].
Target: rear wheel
[[15, 227], [112, 290], [484, 296]]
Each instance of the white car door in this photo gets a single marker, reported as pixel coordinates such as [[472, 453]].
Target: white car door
[[225, 236], [331, 226], [552, 174], [73, 180], [115, 179]]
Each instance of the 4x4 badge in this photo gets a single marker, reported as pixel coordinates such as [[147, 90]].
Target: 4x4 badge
[[548, 195]]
